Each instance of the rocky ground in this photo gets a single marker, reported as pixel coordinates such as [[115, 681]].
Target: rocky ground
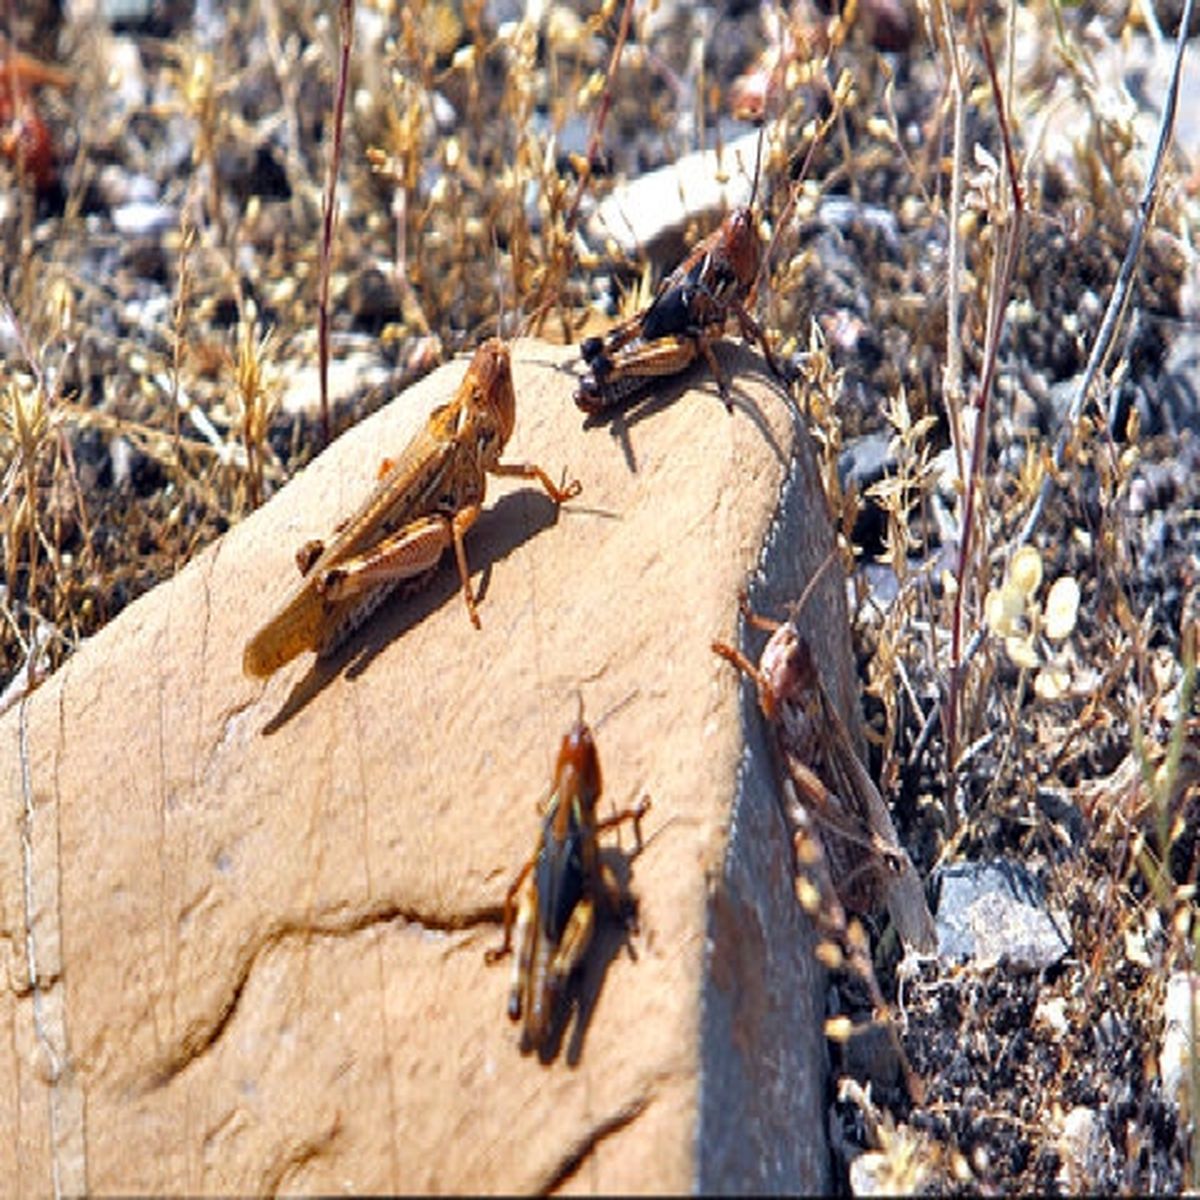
[[161, 265]]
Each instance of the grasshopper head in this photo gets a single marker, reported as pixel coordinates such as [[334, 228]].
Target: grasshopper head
[[578, 770], [787, 668], [491, 374], [742, 246]]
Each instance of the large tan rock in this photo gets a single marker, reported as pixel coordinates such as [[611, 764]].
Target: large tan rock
[[243, 925]]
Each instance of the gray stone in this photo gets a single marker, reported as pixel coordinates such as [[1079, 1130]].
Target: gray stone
[[994, 912]]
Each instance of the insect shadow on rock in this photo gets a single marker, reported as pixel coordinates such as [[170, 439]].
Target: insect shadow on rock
[[581, 995], [622, 419], [503, 528]]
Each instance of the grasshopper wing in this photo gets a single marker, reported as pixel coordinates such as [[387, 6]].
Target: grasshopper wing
[[411, 489], [559, 875]]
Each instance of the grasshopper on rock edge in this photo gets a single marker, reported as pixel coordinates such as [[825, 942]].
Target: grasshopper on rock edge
[[691, 308], [825, 778]]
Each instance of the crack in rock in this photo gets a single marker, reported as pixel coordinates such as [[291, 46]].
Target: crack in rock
[[298, 1156], [585, 1146], [206, 1032]]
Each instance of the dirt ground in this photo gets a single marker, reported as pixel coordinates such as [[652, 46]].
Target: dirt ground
[[161, 192]]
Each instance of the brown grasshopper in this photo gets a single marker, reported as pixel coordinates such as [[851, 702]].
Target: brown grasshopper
[[559, 888], [691, 308], [423, 504], [827, 786]]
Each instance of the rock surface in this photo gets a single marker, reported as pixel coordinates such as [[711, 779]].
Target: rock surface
[[243, 925]]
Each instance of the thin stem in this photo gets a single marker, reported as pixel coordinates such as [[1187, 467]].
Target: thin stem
[[346, 31], [593, 147], [952, 381], [1120, 294], [997, 304]]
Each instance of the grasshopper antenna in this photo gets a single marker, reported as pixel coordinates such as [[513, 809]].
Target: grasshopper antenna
[[757, 164], [796, 607], [623, 703]]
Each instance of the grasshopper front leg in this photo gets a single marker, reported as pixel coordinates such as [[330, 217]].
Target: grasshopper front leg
[[733, 655], [410, 551], [634, 814], [752, 331], [559, 494], [510, 909], [614, 377], [705, 347]]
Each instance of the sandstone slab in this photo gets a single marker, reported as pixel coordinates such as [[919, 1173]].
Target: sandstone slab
[[243, 924]]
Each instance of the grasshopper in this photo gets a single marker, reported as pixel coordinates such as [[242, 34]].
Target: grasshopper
[[690, 309], [827, 787], [23, 134], [559, 888], [423, 504]]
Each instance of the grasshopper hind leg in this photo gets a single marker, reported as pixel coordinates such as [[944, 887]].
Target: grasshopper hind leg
[[722, 381], [523, 961]]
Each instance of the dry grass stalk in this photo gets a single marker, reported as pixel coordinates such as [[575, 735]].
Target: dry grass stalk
[[1010, 220], [1116, 309], [329, 208]]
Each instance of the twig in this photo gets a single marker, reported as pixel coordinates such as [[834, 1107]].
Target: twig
[[952, 379], [346, 31], [186, 241], [593, 146], [551, 280], [997, 303], [228, 453], [1104, 338]]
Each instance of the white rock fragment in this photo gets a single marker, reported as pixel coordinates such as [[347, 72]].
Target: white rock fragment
[[994, 912], [1175, 1056], [141, 219], [1052, 1014], [353, 371], [1081, 1144], [661, 202]]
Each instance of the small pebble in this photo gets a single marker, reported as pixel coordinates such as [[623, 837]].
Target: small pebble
[[1175, 1055], [994, 912], [141, 219], [652, 209], [1081, 1144]]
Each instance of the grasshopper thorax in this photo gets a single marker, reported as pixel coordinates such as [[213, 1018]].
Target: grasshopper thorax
[[577, 772], [741, 247]]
